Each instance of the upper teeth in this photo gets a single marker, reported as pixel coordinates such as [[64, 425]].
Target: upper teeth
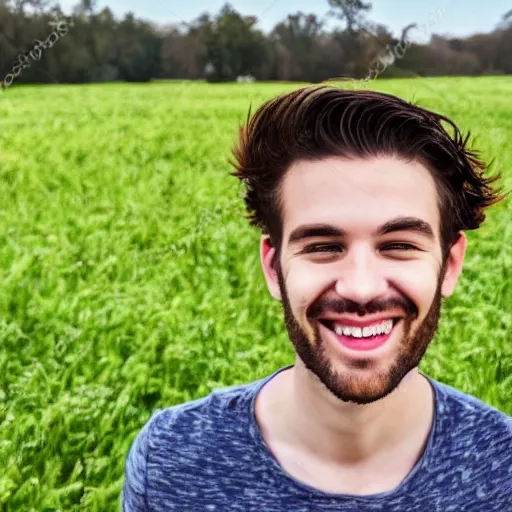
[[365, 332]]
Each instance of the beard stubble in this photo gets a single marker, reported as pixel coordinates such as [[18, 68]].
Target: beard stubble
[[350, 386]]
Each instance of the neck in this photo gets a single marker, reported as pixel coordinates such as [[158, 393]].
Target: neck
[[315, 421]]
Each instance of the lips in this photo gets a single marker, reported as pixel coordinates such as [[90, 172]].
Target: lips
[[356, 344]]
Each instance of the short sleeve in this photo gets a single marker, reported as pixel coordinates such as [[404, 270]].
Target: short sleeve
[[134, 493]]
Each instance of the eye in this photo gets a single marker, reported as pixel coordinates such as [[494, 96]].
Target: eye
[[399, 246], [323, 248]]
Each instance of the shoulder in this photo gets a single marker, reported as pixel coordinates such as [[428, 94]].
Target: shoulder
[[182, 430], [133, 495], [457, 404], [474, 425], [470, 456], [221, 406]]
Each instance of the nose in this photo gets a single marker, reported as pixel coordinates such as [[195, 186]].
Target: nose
[[360, 277]]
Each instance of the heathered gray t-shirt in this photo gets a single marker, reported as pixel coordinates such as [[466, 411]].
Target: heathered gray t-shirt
[[209, 455]]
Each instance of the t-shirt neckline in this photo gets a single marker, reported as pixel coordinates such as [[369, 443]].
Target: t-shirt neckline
[[287, 479]]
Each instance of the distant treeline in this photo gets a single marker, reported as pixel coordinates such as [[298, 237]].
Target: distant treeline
[[97, 47]]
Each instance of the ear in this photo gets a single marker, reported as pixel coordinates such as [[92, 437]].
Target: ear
[[267, 252], [454, 264]]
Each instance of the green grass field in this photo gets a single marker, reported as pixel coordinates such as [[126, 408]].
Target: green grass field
[[130, 279]]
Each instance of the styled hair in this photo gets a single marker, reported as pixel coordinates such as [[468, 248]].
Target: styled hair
[[315, 122]]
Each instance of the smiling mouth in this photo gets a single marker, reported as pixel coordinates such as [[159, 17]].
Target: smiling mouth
[[357, 338], [361, 332]]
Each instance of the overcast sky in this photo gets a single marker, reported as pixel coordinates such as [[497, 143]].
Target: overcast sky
[[459, 18]]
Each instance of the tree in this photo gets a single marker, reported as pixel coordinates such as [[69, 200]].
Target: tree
[[298, 45], [233, 45], [138, 50], [183, 54], [349, 11], [353, 38]]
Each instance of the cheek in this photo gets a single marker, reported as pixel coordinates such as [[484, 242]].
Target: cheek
[[304, 287], [418, 283]]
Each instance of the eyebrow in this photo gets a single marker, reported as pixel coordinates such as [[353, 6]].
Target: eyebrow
[[408, 224], [413, 224]]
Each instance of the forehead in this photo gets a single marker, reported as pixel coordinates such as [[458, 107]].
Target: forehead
[[358, 194]]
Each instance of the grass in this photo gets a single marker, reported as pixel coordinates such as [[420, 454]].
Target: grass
[[130, 280]]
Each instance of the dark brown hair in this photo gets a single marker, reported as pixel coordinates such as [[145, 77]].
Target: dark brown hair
[[315, 122]]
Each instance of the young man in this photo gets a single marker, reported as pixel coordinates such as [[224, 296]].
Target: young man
[[363, 200]]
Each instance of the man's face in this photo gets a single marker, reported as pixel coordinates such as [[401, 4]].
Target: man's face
[[360, 274]]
